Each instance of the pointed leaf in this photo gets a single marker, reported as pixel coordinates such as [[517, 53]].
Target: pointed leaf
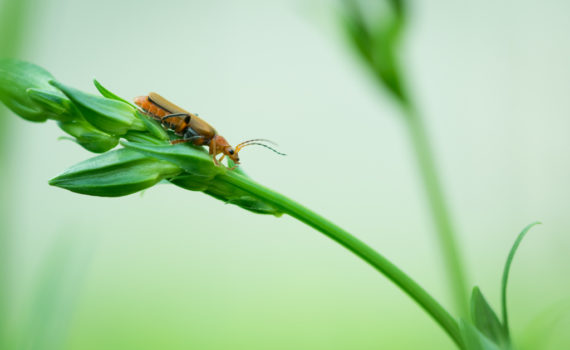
[[486, 320], [151, 125], [111, 116], [115, 173], [506, 272], [108, 94], [54, 104], [88, 136]]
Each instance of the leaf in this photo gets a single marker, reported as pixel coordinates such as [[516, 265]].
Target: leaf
[[108, 94], [193, 160], [115, 173], [486, 320], [143, 137], [473, 339], [111, 116], [153, 127], [202, 175], [506, 273], [88, 136], [54, 104], [16, 78]]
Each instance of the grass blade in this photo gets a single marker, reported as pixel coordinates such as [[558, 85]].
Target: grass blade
[[506, 273]]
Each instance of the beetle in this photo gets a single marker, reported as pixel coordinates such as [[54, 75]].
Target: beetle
[[192, 128]]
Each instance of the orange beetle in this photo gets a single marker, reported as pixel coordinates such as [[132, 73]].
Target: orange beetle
[[192, 128]]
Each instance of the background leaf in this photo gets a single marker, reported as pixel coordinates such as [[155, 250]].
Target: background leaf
[[506, 273], [485, 319]]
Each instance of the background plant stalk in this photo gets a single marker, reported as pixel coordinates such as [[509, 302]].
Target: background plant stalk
[[13, 20], [361, 249], [439, 209]]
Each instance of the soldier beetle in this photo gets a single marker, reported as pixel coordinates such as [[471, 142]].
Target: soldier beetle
[[193, 128]]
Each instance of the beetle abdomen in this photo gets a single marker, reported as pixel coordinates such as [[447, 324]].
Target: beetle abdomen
[[153, 110], [176, 123]]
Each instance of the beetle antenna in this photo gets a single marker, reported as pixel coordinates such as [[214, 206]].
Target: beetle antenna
[[256, 140], [251, 143]]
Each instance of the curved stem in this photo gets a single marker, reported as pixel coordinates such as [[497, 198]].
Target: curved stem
[[361, 249], [439, 210]]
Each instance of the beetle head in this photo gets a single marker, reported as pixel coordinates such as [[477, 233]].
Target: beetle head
[[232, 154], [224, 147]]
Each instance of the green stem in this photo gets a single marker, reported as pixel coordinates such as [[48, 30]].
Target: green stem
[[439, 210], [361, 249]]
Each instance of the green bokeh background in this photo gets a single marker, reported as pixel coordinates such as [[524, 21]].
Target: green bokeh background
[[171, 269]]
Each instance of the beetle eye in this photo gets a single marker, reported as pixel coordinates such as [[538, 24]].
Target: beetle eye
[[232, 152]]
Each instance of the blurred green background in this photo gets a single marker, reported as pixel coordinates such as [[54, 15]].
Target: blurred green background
[[173, 269]]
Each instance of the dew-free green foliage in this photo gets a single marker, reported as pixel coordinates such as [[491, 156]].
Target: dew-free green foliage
[[146, 157]]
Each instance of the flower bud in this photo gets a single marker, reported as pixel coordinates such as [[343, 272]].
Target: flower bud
[[25, 89], [111, 116], [115, 173], [88, 136], [55, 104]]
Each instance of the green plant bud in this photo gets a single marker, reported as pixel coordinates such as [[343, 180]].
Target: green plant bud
[[55, 105], [375, 31], [151, 125], [194, 160], [88, 136], [111, 116], [115, 173], [224, 192], [25, 89]]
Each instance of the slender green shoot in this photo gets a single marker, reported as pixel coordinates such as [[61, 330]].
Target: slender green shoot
[[507, 270]]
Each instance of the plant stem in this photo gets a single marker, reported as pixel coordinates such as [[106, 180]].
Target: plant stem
[[439, 210], [361, 249]]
